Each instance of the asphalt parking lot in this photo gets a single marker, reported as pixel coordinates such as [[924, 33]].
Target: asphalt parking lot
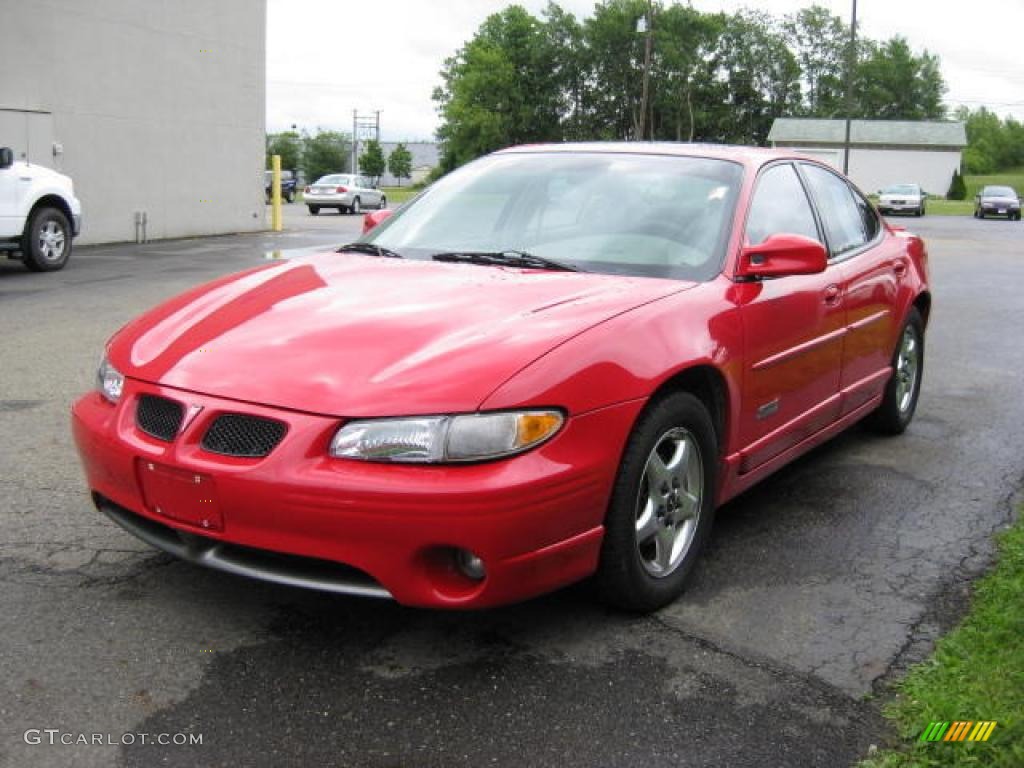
[[819, 586]]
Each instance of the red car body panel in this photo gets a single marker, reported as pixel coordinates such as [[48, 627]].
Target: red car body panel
[[335, 337]]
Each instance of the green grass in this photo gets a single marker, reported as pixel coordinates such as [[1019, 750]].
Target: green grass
[[1013, 178], [941, 207], [976, 673], [398, 195]]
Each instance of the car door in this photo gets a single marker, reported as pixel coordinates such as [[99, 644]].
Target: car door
[[793, 328], [872, 266], [371, 197]]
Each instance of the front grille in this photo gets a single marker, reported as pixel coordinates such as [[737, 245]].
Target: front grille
[[159, 417], [235, 434]]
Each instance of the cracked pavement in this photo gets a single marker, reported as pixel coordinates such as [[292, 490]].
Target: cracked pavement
[[818, 587]]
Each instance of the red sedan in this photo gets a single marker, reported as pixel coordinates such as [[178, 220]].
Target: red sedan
[[553, 364]]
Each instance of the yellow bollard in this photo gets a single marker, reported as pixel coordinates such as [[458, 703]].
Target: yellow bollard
[[275, 194]]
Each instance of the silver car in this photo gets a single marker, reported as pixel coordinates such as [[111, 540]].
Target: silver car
[[345, 192], [902, 198]]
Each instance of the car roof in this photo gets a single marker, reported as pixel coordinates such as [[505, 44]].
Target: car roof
[[751, 156]]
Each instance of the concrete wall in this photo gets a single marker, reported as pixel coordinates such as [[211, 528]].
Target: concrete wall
[[159, 106], [873, 169]]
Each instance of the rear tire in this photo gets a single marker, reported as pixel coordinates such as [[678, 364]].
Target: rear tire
[[662, 505], [896, 412], [46, 243], [314, 209]]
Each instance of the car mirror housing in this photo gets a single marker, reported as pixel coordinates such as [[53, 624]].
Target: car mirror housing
[[782, 255], [373, 218]]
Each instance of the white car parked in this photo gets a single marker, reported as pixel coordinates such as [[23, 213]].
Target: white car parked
[[346, 192], [902, 198], [39, 213]]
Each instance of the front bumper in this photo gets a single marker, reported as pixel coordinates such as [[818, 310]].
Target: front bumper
[[536, 520], [905, 207]]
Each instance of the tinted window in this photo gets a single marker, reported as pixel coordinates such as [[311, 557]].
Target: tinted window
[[780, 206], [844, 222], [998, 192], [868, 216]]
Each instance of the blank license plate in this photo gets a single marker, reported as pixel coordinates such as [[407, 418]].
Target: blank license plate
[[188, 497]]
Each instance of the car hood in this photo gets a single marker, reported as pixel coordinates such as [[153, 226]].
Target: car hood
[[351, 335], [42, 173]]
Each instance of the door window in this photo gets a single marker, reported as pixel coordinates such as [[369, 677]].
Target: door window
[[843, 220], [780, 206]]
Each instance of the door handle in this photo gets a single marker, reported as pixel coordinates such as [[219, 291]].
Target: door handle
[[900, 268], [832, 294]]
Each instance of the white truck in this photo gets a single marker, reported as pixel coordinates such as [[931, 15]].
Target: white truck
[[39, 213]]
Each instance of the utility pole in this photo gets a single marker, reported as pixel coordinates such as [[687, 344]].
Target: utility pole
[[646, 25], [363, 127], [851, 63]]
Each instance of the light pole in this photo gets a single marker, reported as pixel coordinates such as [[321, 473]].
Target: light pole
[[646, 25], [851, 63]]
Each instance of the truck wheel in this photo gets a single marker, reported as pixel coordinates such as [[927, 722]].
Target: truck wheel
[[46, 244]]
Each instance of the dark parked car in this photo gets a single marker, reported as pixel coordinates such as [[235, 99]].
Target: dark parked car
[[997, 201], [288, 184]]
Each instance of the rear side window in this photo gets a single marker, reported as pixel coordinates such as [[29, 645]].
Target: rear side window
[[868, 216], [780, 206], [843, 220]]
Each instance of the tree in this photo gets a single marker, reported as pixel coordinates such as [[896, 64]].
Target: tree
[[498, 89], [400, 163], [891, 83], [819, 40], [372, 162], [288, 145], [957, 188], [326, 152]]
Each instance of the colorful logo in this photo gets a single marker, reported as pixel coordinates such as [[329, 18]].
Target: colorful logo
[[960, 730]]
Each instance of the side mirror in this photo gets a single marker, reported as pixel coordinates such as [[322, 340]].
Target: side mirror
[[373, 218], [6, 157], [781, 256]]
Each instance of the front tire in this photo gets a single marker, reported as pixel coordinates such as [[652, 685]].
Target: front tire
[[356, 208], [383, 203], [896, 412], [662, 505], [289, 196], [46, 243]]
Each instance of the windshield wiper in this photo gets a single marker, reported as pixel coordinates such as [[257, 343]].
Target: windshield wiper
[[370, 248], [510, 258]]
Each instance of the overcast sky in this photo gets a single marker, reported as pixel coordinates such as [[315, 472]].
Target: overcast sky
[[328, 57]]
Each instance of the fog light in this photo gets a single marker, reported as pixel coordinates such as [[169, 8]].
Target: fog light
[[470, 565]]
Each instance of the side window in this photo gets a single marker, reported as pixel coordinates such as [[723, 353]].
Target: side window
[[843, 220], [780, 206], [867, 216]]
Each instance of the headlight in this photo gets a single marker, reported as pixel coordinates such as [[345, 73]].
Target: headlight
[[109, 381], [437, 439]]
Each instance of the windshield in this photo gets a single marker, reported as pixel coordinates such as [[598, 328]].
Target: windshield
[[900, 189], [649, 215], [332, 180], [998, 192]]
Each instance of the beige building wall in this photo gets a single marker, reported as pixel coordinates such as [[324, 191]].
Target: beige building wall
[[149, 105]]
